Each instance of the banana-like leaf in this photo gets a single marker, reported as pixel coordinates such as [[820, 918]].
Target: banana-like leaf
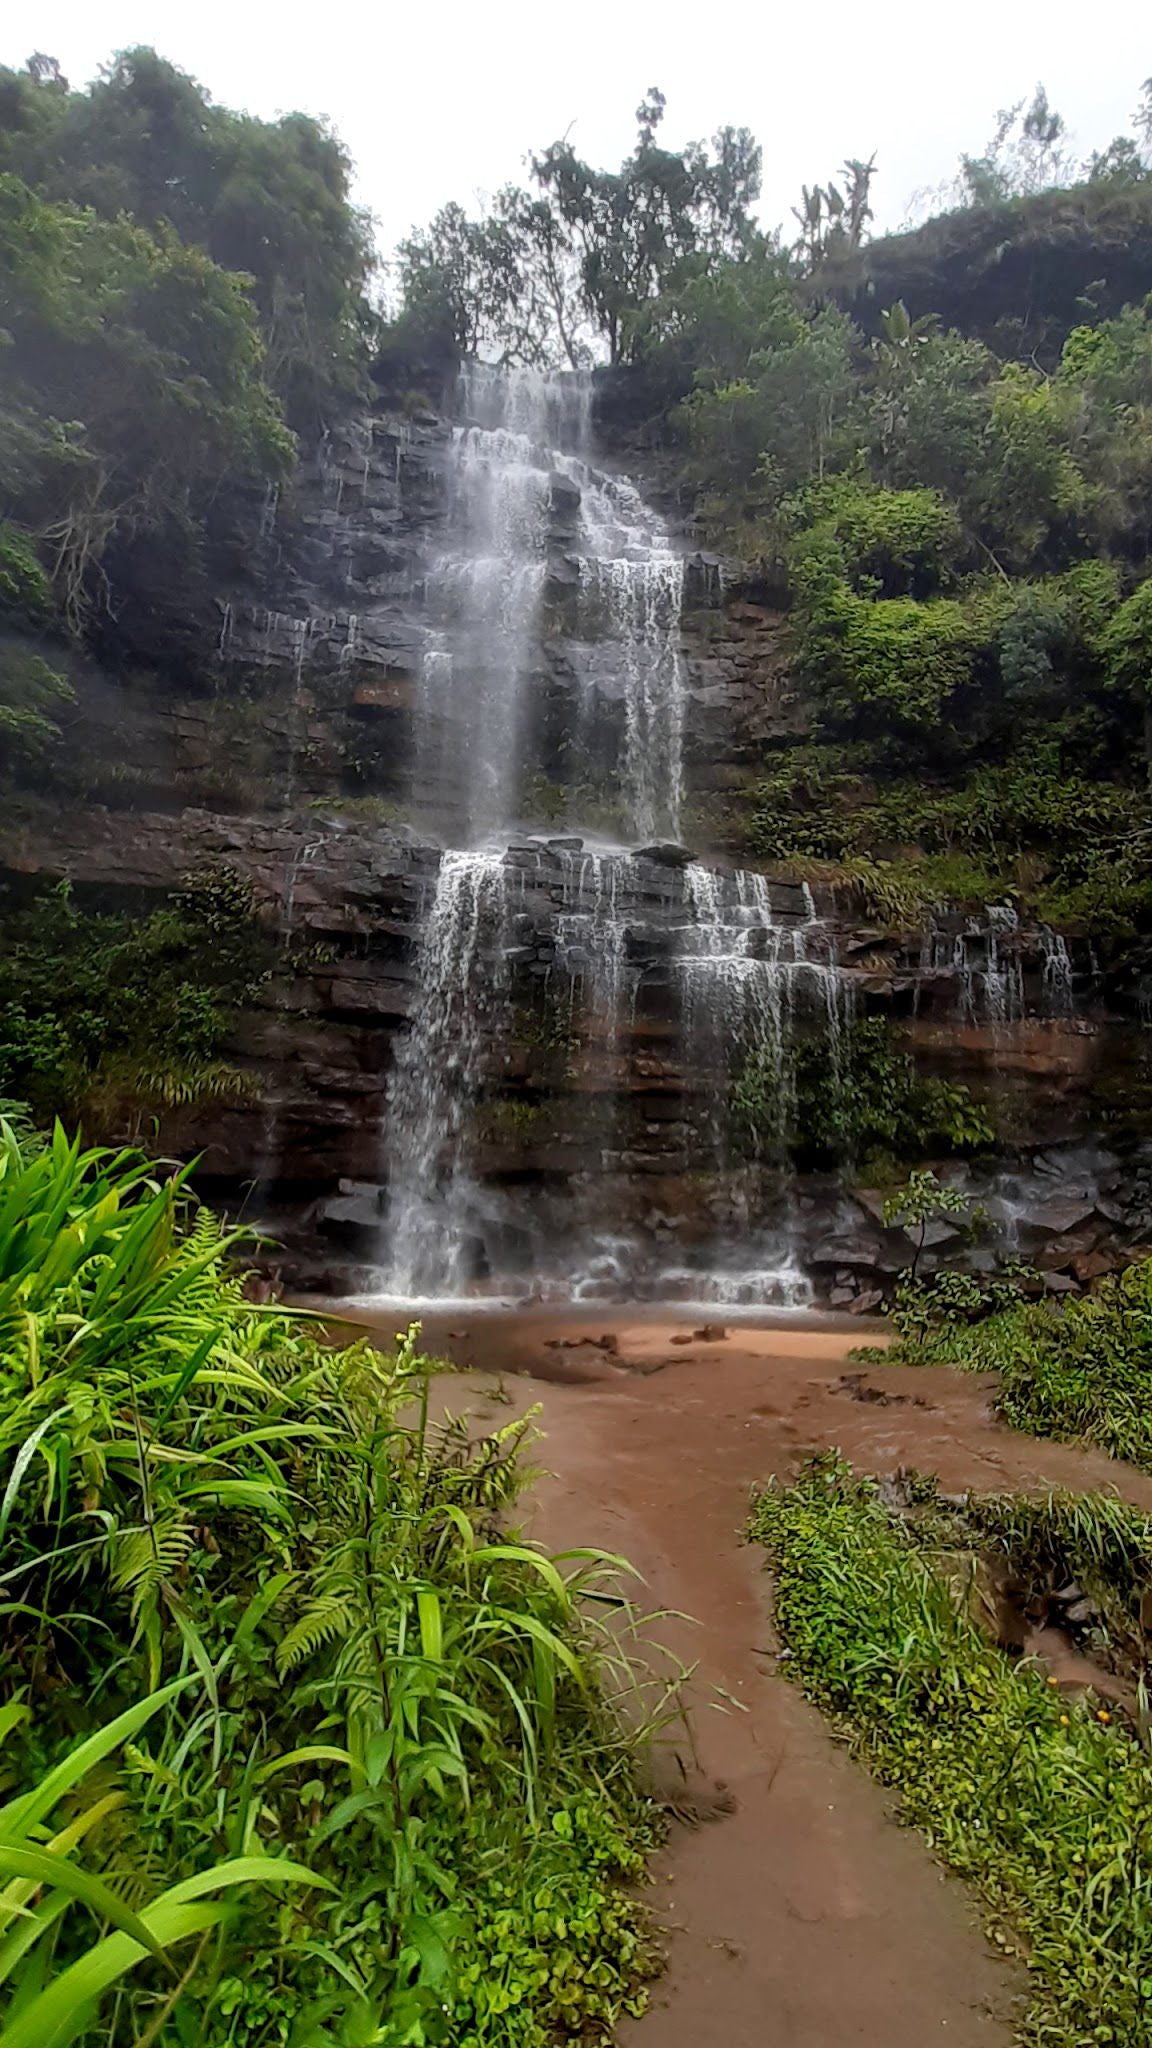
[[21, 1815], [51, 2019], [43, 1868]]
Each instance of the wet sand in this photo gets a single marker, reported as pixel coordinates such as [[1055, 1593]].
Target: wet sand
[[805, 1917]]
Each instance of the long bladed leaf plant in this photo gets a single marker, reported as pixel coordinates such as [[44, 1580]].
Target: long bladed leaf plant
[[336, 1756]]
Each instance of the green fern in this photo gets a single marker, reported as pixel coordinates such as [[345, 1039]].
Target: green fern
[[326, 1620], [144, 1559]]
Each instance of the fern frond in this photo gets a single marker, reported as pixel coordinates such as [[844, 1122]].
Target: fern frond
[[143, 1558], [325, 1621]]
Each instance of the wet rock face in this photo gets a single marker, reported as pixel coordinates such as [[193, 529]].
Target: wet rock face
[[291, 672], [598, 1116], [274, 719]]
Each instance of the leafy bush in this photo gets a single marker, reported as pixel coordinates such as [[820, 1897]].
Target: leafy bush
[[32, 696], [852, 1098], [112, 1015], [883, 543], [1039, 1802], [1076, 850], [891, 663], [360, 1668], [1080, 1370]]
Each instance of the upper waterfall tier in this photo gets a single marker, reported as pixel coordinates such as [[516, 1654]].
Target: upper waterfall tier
[[539, 546]]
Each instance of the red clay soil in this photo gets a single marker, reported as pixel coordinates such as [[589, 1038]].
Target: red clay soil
[[804, 1917]]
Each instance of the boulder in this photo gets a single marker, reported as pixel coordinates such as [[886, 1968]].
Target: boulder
[[666, 853], [1062, 1251], [1091, 1266]]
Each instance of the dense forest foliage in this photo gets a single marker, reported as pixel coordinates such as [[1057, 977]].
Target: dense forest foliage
[[182, 308], [181, 296]]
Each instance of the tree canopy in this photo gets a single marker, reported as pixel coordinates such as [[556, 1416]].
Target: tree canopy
[[181, 297], [567, 269]]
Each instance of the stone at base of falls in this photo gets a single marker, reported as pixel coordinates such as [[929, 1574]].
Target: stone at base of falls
[[667, 852], [564, 491]]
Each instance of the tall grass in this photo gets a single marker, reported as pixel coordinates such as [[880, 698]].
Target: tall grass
[[1046, 1806], [346, 1660], [1079, 1371]]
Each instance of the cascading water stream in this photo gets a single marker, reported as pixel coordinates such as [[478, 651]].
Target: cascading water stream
[[488, 587], [591, 934], [634, 577], [531, 523], [433, 1198], [522, 437], [748, 981]]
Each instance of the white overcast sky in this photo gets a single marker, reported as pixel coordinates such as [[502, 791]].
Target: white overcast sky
[[443, 100]]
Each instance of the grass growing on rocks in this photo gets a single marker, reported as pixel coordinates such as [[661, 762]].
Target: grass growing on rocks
[[1044, 1804], [1078, 1371]]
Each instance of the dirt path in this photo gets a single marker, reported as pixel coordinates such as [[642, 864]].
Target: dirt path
[[805, 1918]]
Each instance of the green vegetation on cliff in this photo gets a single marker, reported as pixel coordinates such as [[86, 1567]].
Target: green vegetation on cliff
[[1079, 1370], [181, 298], [964, 546], [107, 1017], [283, 1699], [951, 504]]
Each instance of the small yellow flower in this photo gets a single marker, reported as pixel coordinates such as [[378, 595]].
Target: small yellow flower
[[1102, 1714], [1064, 1720], [1053, 1681]]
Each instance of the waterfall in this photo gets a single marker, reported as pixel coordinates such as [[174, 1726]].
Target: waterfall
[[743, 974], [554, 635], [633, 576], [591, 932], [433, 1200], [1058, 993], [523, 438], [487, 588]]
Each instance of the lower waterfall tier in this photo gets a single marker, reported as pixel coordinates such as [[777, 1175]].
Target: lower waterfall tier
[[623, 1074]]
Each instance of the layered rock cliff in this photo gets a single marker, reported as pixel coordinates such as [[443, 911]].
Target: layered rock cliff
[[279, 719]]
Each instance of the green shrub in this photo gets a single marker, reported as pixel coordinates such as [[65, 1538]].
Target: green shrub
[[852, 1098], [25, 592], [1078, 1370], [1037, 1801], [112, 1015], [366, 1672], [882, 543]]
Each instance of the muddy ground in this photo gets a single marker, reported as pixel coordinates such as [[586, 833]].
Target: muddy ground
[[797, 1913]]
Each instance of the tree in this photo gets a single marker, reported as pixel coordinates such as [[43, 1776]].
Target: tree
[[790, 417], [134, 385], [834, 223], [504, 287], [633, 228], [268, 199], [547, 276], [1128, 652], [1026, 154]]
